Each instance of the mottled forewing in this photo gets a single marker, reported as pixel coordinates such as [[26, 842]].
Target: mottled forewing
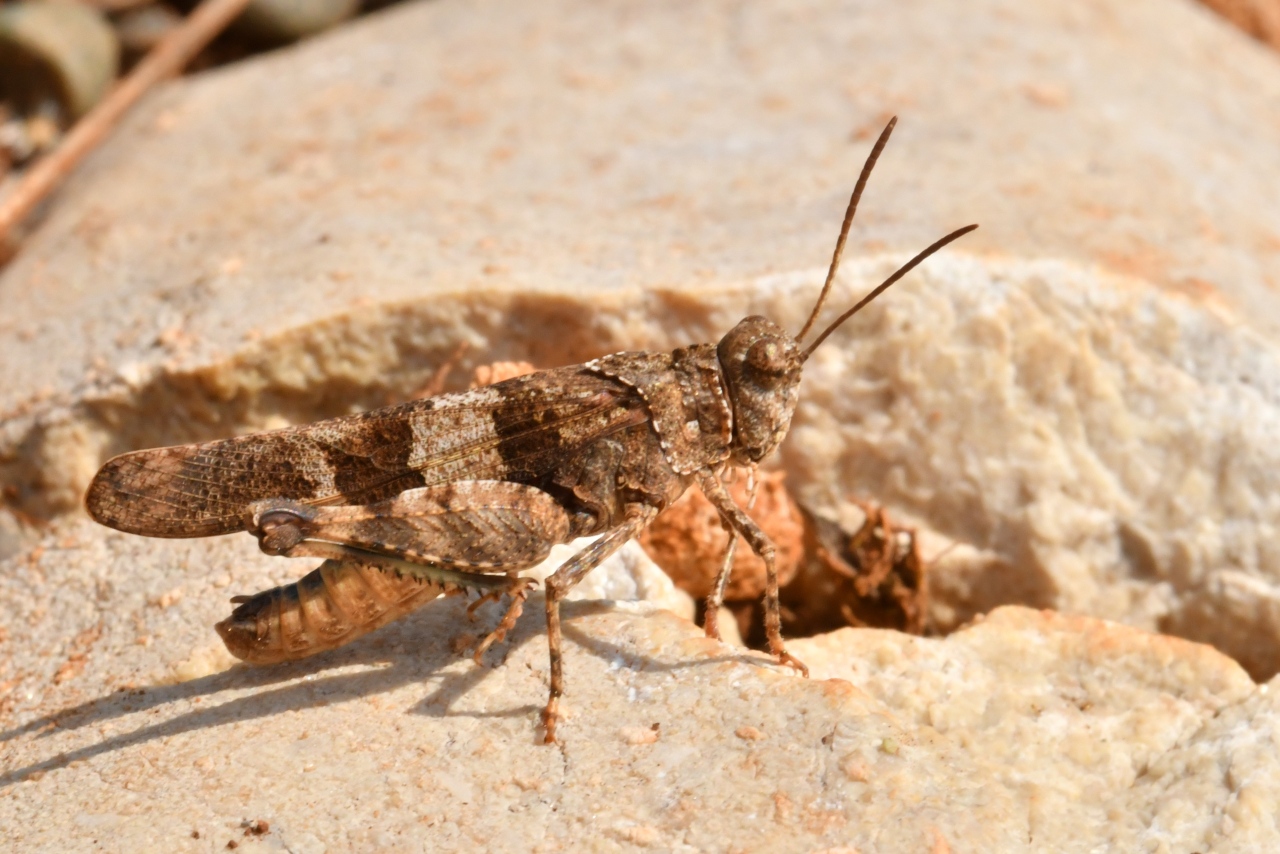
[[516, 430]]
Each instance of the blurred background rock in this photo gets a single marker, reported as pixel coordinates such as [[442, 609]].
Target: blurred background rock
[[59, 57]]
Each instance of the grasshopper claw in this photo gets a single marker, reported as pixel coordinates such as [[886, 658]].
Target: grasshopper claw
[[790, 660]]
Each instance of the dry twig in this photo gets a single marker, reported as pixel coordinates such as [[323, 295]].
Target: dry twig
[[209, 19]]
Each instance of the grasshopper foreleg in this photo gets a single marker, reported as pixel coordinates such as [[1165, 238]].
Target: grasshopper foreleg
[[715, 599], [737, 519]]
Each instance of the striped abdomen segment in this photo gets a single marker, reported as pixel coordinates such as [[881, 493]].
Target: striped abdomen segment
[[332, 605]]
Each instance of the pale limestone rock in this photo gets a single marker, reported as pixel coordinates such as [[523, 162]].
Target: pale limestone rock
[[1068, 734], [1102, 448], [628, 575], [1108, 738], [1093, 442]]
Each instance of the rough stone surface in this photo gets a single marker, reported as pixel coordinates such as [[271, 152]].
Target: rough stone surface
[[1083, 399], [1065, 734], [1097, 446], [375, 204], [1095, 443], [1144, 742], [80, 602]]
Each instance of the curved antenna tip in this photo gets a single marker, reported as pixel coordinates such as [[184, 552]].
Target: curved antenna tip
[[858, 188]]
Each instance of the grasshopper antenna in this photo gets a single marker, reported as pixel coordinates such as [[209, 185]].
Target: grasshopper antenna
[[848, 220], [885, 285]]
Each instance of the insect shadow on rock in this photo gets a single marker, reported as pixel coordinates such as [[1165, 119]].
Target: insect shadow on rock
[[460, 492]]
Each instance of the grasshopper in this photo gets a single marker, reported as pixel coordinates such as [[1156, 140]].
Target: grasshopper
[[459, 492]]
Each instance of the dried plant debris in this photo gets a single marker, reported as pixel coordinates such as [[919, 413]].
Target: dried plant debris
[[499, 371], [873, 577], [61, 53], [22, 137], [256, 827], [483, 375], [831, 577], [272, 22]]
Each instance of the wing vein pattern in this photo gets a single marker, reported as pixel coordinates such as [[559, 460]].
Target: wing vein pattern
[[516, 430]]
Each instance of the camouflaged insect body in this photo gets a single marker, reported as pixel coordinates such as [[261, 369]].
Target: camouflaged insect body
[[519, 430], [623, 429], [429, 497], [460, 492]]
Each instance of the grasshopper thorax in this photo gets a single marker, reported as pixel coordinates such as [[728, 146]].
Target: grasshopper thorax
[[761, 366]]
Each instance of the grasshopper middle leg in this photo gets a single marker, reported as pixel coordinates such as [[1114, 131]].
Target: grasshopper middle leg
[[559, 585]]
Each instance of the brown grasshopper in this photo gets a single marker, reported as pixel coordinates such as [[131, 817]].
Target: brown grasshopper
[[460, 492]]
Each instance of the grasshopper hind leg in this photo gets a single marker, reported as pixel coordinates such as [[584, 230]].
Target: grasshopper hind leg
[[386, 558], [519, 592]]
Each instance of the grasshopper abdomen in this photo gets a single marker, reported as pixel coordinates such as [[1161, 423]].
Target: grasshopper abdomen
[[332, 605]]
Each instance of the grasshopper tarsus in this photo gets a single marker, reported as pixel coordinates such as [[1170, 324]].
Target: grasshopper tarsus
[[519, 592], [462, 491], [550, 716], [787, 659]]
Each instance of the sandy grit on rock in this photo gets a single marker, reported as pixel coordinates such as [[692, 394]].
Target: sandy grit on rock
[[1072, 733]]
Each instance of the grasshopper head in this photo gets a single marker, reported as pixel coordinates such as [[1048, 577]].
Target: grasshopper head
[[761, 367], [761, 363]]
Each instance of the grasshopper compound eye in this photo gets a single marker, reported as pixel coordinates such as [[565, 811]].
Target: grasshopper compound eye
[[767, 363]]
